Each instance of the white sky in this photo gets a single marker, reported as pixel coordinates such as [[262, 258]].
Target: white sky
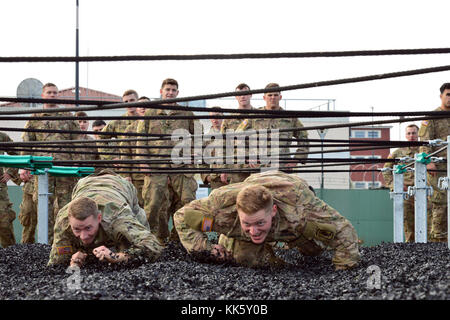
[[111, 27]]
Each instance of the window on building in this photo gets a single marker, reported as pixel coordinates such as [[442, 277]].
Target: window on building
[[374, 185], [373, 134], [359, 185], [358, 134]]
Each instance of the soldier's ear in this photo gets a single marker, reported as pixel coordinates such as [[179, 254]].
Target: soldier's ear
[[99, 217], [274, 210]]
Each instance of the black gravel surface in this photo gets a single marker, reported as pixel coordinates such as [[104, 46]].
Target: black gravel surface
[[387, 272]]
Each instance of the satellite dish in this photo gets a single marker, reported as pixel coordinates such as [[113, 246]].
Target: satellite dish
[[29, 88]]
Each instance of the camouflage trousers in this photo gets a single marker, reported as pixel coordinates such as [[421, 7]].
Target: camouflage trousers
[[7, 216], [28, 217], [60, 194], [439, 208], [156, 196], [139, 185], [182, 190]]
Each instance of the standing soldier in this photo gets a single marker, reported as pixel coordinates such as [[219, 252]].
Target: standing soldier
[[137, 179], [103, 219], [212, 178], [272, 100], [408, 180], [266, 207], [59, 188], [430, 130], [86, 154], [118, 126], [7, 214], [230, 126]]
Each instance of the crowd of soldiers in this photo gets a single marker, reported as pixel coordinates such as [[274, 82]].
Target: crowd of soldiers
[[130, 212]]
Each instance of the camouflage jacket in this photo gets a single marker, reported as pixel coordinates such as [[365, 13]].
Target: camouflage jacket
[[408, 177], [215, 178], [68, 125], [434, 129], [300, 215], [13, 172], [283, 123], [124, 224], [117, 127], [126, 153]]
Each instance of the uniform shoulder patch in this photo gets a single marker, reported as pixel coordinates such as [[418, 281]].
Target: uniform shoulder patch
[[425, 122], [207, 224], [63, 250]]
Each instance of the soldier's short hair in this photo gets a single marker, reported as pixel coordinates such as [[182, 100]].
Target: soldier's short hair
[[169, 81], [273, 85], [254, 198], [81, 114], [216, 109], [144, 98], [412, 125], [48, 84], [445, 86], [242, 86], [82, 208], [98, 123], [130, 91]]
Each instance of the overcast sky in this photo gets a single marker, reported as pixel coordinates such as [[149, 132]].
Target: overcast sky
[[110, 27]]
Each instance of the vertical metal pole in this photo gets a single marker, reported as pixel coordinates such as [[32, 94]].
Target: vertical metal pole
[[420, 202], [77, 68], [43, 208], [397, 196]]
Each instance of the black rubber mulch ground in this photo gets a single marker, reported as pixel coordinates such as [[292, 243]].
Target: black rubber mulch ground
[[406, 271]]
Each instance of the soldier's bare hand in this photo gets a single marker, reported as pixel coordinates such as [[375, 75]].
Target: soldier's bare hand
[[220, 252], [223, 178], [5, 177], [103, 253], [78, 259]]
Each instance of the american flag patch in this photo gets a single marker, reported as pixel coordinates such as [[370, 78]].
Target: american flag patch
[[207, 224], [64, 250], [425, 122]]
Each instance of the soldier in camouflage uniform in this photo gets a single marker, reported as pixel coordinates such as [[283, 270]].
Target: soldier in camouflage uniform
[[104, 219], [155, 191], [272, 100], [137, 179], [213, 179], [408, 180], [28, 212], [86, 154], [117, 127], [7, 214], [430, 130], [59, 188], [267, 207], [231, 125]]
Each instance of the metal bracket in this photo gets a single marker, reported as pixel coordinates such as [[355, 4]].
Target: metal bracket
[[443, 183]]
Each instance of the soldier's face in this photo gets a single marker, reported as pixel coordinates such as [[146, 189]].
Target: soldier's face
[[96, 129], [216, 123], [84, 124], [86, 229], [411, 134], [445, 98], [169, 91], [257, 225], [272, 100], [49, 93], [244, 101], [128, 99]]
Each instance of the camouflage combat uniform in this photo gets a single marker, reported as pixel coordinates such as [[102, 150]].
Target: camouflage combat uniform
[[303, 221], [284, 137], [232, 125], [115, 126], [155, 191], [136, 178], [28, 212], [7, 214], [60, 188], [215, 181], [124, 226], [430, 130], [408, 180]]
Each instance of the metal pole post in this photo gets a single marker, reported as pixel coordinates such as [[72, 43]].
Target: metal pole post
[[448, 192], [43, 208], [420, 202], [397, 196], [77, 68]]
